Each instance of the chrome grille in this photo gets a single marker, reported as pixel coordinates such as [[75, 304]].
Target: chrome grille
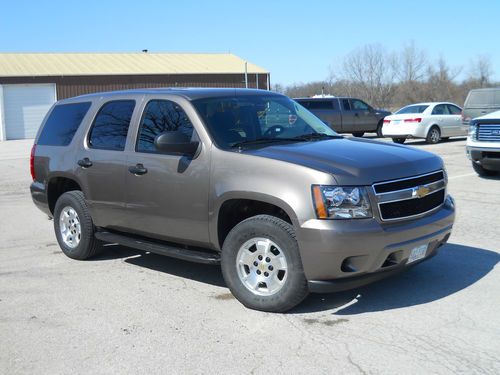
[[488, 132], [410, 197]]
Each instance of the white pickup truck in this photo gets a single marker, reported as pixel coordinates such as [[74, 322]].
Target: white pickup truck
[[483, 144]]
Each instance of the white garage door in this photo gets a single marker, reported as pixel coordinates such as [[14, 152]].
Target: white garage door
[[25, 106]]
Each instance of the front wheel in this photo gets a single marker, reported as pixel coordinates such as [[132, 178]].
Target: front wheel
[[434, 135], [399, 140], [261, 264], [358, 134]]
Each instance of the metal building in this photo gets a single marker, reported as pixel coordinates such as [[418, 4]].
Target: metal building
[[31, 82]]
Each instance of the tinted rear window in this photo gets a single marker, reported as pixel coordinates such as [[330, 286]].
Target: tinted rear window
[[412, 109], [483, 98], [110, 128], [62, 124]]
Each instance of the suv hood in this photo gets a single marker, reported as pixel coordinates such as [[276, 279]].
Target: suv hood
[[355, 161]]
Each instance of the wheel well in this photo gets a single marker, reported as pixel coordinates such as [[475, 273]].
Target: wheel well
[[435, 126], [235, 211], [58, 186]]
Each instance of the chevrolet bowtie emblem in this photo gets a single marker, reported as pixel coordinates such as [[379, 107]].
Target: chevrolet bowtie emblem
[[421, 191]]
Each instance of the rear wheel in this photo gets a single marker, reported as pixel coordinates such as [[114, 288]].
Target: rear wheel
[[478, 168], [358, 134], [261, 264], [399, 140], [433, 136], [74, 227]]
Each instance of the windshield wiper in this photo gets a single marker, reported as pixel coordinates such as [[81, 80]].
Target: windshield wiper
[[314, 136], [265, 140]]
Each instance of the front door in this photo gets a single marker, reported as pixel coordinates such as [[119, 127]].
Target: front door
[[167, 195]]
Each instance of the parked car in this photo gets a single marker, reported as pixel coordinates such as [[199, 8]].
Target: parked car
[[483, 144], [431, 121], [284, 204], [480, 102], [346, 115]]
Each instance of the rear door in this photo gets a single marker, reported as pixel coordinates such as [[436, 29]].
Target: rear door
[[440, 116], [101, 163], [348, 123], [455, 120], [327, 110], [168, 199]]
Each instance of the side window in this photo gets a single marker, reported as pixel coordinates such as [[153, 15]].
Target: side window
[[62, 124], [320, 104], [345, 105], [454, 110], [161, 116], [359, 105], [110, 128], [440, 109]]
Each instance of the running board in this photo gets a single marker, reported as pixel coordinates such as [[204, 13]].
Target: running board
[[160, 248]]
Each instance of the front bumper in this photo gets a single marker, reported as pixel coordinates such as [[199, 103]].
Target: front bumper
[[342, 254], [487, 157]]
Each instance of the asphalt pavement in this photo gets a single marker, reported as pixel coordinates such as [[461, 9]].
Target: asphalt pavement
[[132, 312]]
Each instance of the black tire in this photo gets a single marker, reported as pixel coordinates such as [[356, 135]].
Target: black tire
[[88, 245], [294, 289], [358, 134], [379, 129], [434, 135], [399, 140], [481, 171]]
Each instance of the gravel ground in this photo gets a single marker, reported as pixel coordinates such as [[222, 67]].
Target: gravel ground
[[132, 312]]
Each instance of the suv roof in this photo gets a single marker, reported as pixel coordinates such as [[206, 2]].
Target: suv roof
[[188, 93]]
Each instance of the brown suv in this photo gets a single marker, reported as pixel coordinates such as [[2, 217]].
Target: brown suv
[[247, 179]]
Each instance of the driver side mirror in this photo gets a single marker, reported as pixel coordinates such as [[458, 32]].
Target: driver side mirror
[[175, 143]]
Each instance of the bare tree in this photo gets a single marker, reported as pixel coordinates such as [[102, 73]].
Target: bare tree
[[392, 81], [412, 67], [371, 72], [412, 64], [440, 83], [481, 71]]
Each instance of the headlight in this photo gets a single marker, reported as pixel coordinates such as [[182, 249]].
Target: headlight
[[472, 130], [340, 202]]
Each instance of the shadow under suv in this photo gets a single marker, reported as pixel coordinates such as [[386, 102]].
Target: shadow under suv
[[220, 176]]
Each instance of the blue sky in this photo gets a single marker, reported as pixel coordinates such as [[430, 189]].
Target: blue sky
[[298, 41]]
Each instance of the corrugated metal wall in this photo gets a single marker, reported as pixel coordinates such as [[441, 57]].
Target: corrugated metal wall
[[78, 85]]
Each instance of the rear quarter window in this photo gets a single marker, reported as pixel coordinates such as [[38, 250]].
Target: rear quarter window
[[62, 124]]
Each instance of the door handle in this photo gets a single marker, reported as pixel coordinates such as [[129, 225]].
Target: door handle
[[84, 163], [138, 169]]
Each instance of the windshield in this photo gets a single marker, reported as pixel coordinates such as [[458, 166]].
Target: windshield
[[412, 109], [237, 120]]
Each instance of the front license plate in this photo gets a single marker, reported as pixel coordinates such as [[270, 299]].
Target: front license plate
[[417, 253]]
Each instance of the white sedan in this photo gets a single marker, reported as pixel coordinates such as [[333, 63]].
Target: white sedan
[[432, 121]]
